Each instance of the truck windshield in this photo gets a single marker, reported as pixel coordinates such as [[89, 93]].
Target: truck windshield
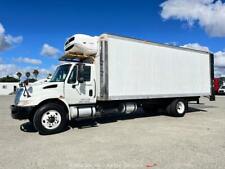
[[61, 73]]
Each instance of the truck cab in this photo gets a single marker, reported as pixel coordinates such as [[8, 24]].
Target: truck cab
[[48, 105], [79, 82]]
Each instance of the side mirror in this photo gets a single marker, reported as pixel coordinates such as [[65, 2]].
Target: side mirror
[[80, 77], [21, 84]]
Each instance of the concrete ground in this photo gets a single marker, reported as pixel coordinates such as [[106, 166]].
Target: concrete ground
[[193, 142]]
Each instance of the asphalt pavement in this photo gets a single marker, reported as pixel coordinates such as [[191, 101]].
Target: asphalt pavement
[[196, 141]]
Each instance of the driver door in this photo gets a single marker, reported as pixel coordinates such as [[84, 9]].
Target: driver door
[[81, 92]]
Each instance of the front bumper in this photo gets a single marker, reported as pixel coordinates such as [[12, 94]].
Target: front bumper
[[21, 112]]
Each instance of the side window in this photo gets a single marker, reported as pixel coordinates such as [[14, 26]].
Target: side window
[[73, 76], [84, 72], [87, 73]]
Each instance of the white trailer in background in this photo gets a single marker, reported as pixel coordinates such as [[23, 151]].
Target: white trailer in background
[[7, 88], [125, 74]]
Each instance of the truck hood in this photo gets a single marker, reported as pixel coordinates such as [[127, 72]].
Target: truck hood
[[40, 92], [46, 87]]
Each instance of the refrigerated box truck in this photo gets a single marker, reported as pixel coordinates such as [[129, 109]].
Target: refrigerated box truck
[[125, 74]]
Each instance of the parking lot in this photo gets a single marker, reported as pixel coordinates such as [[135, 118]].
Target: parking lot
[[195, 141]]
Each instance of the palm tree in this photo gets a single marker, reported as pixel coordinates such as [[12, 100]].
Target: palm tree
[[49, 76], [35, 73], [19, 74], [27, 75]]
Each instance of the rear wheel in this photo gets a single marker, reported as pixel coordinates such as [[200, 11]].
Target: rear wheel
[[50, 118], [177, 108]]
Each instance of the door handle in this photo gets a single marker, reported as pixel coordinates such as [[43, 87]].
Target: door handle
[[91, 92], [73, 86]]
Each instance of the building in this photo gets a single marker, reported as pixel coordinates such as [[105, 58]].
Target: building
[[7, 88]]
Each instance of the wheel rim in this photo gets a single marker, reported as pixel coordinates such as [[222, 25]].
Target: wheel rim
[[180, 107], [51, 119]]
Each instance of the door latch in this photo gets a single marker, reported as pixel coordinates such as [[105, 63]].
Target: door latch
[[91, 92]]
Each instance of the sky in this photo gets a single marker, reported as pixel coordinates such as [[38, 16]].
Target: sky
[[32, 33]]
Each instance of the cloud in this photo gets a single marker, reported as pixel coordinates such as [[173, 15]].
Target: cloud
[[28, 60], [219, 59], [196, 46], [12, 69], [8, 41], [48, 50], [7, 69], [219, 63], [172, 43], [209, 14], [45, 71], [2, 29], [219, 72]]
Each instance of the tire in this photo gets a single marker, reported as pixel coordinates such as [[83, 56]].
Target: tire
[[50, 118], [177, 108]]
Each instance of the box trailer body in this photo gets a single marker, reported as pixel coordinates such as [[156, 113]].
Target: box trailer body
[[121, 75], [134, 69]]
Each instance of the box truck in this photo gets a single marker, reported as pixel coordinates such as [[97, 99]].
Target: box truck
[[122, 75]]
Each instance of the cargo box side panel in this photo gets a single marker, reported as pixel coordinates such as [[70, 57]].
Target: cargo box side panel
[[140, 70]]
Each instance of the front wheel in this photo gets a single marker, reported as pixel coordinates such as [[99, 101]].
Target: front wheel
[[50, 118]]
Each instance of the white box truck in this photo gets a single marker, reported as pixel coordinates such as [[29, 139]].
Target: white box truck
[[124, 74]]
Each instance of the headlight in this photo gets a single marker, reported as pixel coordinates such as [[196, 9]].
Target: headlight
[[24, 102], [18, 95]]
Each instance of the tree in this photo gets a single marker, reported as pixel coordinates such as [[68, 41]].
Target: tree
[[8, 79], [19, 74], [27, 75], [32, 80], [35, 73]]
